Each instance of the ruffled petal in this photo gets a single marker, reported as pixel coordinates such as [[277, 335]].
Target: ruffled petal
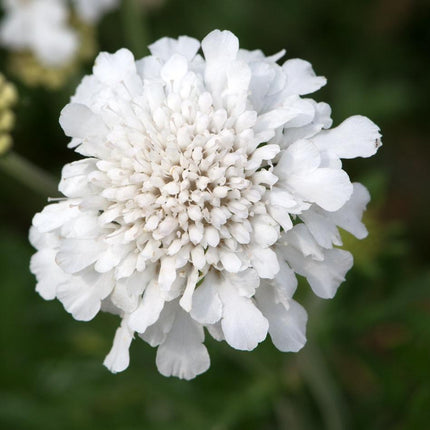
[[301, 78], [166, 47], [148, 310], [357, 136], [82, 296], [183, 354], [118, 358], [243, 325], [47, 272], [325, 276], [207, 306], [287, 326]]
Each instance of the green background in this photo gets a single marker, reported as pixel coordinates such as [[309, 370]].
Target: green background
[[366, 364]]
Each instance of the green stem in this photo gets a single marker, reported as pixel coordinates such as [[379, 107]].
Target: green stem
[[134, 27], [29, 174], [316, 373], [314, 370]]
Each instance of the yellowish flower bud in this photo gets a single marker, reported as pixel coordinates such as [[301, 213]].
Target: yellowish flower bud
[[5, 143], [7, 120]]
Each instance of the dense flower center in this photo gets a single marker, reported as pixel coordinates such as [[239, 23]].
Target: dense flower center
[[184, 175]]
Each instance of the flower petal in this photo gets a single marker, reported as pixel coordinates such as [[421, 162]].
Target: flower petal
[[148, 310], [243, 324], [265, 262], [325, 276], [207, 306], [82, 296], [287, 326], [357, 136], [48, 273], [301, 78], [118, 358], [183, 354]]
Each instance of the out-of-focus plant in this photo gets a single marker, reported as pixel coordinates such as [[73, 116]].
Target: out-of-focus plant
[[50, 39], [8, 98]]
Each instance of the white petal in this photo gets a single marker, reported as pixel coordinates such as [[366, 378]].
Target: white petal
[[281, 216], [212, 236], [220, 46], [245, 282], [238, 76], [321, 226], [43, 240], [215, 330], [167, 273], [266, 152], [123, 299], [300, 238], [166, 47], [243, 324], [357, 136], [174, 69], [187, 297], [74, 178], [118, 358], [108, 259], [77, 254], [301, 78], [273, 119], [183, 354], [207, 306], [149, 309], [287, 327], [324, 277], [266, 230], [220, 49], [265, 262], [156, 333], [77, 120], [230, 261], [285, 284], [298, 159], [349, 216], [82, 296], [55, 215], [113, 68], [198, 257], [328, 188], [48, 273]]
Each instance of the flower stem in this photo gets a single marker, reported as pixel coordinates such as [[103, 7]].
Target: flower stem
[[316, 373], [134, 27], [29, 174]]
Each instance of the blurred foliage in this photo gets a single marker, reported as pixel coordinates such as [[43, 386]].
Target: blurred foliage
[[366, 364]]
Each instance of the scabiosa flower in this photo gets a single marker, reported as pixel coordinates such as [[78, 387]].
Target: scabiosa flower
[[208, 182], [41, 27], [50, 38]]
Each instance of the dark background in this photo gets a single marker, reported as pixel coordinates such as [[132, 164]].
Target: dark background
[[366, 364]]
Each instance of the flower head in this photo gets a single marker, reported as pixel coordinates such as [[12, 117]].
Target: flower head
[[50, 38], [180, 216], [40, 26]]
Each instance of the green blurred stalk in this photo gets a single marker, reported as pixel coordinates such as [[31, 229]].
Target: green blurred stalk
[[315, 371], [28, 174], [134, 27]]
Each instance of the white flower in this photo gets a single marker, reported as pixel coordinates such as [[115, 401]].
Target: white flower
[[40, 26], [93, 10], [180, 216]]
